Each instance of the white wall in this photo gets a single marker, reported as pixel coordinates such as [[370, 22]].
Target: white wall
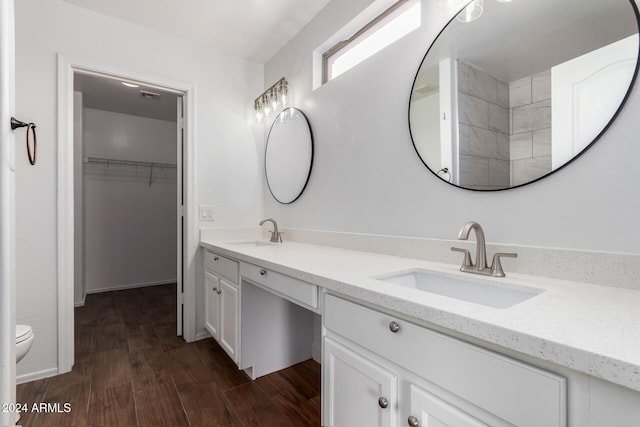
[[130, 226], [227, 159], [367, 178]]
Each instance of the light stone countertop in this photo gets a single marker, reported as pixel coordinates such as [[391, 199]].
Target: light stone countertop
[[589, 328]]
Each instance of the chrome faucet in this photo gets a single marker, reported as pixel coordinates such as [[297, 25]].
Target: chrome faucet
[[276, 236], [480, 267]]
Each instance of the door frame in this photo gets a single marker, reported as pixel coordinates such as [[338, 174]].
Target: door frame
[[67, 67], [7, 214]]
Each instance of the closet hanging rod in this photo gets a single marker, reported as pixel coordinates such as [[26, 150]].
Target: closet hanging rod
[[104, 161]]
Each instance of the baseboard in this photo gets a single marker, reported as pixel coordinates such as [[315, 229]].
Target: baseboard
[[81, 302], [131, 286], [25, 378], [202, 335]]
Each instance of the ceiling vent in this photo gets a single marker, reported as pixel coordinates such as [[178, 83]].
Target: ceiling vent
[[149, 95]]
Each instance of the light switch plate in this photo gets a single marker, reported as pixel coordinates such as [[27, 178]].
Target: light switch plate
[[206, 213]]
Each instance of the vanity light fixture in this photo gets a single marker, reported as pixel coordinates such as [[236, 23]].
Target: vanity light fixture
[[472, 12], [271, 99]]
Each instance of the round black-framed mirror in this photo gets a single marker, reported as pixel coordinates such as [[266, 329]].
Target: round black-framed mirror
[[288, 155], [523, 90]]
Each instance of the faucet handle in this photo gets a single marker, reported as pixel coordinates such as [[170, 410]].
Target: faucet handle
[[496, 265], [280, 233], [467, 256]]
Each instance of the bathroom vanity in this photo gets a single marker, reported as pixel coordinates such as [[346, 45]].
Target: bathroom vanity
[[395, 355]]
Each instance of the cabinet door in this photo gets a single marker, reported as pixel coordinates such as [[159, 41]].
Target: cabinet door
[[211, 303], [430, 411], [228, 331], [357, 391]]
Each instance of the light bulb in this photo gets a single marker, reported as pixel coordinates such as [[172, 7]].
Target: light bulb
[[274, 101], [472, 12], [258, 110], [283, 92], [265, 106]]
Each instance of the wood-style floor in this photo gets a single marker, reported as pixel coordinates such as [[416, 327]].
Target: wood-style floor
[[131, 370]]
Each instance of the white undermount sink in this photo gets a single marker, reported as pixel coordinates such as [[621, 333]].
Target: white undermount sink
[[497, 293], [252, 243]]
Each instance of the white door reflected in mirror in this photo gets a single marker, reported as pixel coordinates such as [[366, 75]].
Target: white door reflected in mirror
[[288, 155], [584, 90]]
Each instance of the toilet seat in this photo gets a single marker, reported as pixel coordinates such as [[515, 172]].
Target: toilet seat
[[23, 333]]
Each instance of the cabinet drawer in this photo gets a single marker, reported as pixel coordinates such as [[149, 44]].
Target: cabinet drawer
[[516, 392], [225, 267], [374, 331], [295, 290]]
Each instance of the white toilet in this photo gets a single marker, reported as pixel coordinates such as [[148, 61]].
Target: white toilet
[[24, 340]]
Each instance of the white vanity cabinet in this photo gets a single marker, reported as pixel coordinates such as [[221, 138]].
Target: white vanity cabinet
[[425, 378], [222, 301]]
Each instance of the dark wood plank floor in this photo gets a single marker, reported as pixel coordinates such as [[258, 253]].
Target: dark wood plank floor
[[132, 370]]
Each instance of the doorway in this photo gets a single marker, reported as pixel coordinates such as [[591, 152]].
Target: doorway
[[127, 192], [115, 169]]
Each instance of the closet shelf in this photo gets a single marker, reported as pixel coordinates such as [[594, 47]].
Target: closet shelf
[[104, 161], [136, 164]]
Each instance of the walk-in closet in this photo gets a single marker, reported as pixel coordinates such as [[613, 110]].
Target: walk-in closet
[[126, 185]]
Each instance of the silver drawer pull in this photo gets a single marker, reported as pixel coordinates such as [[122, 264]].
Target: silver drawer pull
[[263, 272], [383, 403], [394, 327], [215, 258], [413, 421]]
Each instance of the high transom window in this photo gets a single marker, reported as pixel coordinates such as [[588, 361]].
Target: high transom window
[[395, 22]]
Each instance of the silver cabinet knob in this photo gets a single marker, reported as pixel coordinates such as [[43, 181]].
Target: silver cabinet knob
[[218, 291], [413, 421], [383, 403], [263, 272], [394, 327], [215, 258], [214, 289]]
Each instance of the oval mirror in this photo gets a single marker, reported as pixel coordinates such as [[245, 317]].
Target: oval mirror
[[522, 89], [288, 155]]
